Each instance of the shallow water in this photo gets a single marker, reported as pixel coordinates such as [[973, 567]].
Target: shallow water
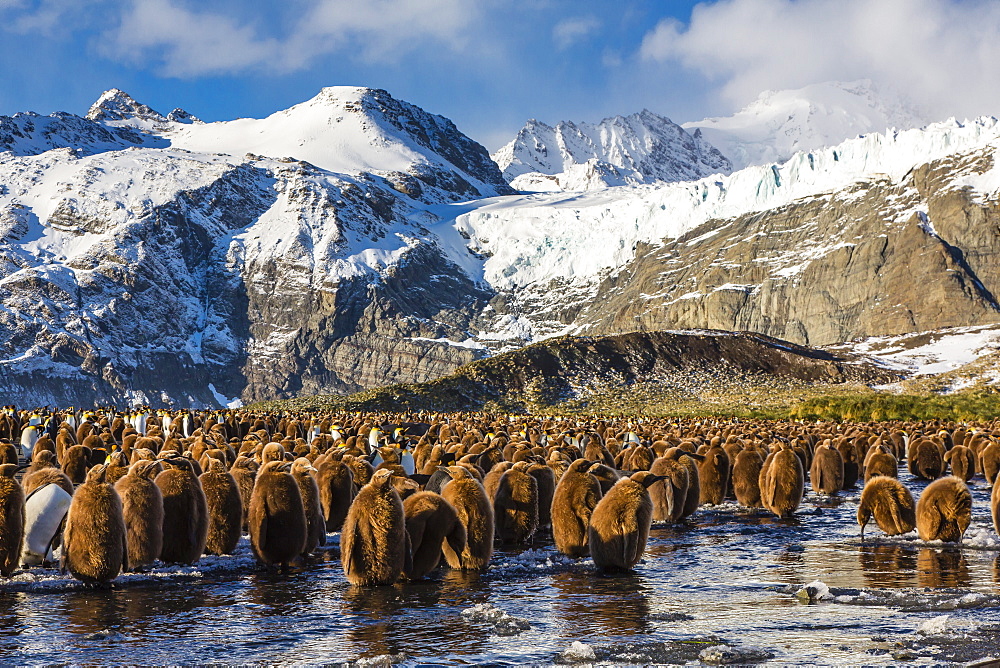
[[727, 578]]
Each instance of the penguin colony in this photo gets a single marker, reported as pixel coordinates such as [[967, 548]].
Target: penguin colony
[[413, 493]]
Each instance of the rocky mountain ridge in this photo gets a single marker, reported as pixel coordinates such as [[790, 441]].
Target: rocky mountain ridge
[[153, 260], [641, 148]]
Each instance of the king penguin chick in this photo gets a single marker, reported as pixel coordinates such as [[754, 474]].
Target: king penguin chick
[[890, 502], [302, 470], [94, 546], [827, 473], [276, 518], [620, 524], [336, 491], [782, 481], [142, 510], [225, 508], [746, 477], [185, 512], [374, 545], [430, 523], [515, 505], [573, 503], [475, 511], [944, 510], [11, 520], [670, 494]]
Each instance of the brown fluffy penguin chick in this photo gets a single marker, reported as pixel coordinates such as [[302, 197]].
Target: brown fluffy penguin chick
[[43, 476], [713, 474], [11, 520], [336, 492], [374, 545], [990, 462], [546, 479], [746, 478], [276, 518], [606, 476], [244, 472], [515, 505], [573, 503], [619, 526], [491, 481], [225, 508], [302, 470], [185, 512], [8, 453], [827, 473], [944, 510], [76, 462], [962, 461], [782, 481], [117, 466], [94, 544], [926, 460], [670, 494], [475, 511], [142, 509], [881, 462], [430, 523], [891, 504], [690, 461], [852, 463]]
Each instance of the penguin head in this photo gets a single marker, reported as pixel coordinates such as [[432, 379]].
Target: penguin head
[[580, 465], [97, 474], [303, 465], [646, 478], [381, 478], [456, 472], [8, 470]]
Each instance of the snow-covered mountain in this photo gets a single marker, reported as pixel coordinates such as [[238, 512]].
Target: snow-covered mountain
[[641, 148], [779, 124], [355, 240]]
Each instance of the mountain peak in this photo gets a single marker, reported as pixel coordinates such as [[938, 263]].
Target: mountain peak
[[780, 123], [117, 105], [644, 147]]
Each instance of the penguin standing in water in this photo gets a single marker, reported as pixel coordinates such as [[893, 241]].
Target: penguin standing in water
[[573, 503], [185, 512], [746, 477], [276, 517], [430, 523], [336, 491], [302, 470], [890, 502], [94, 547], [142, 509], [374, 545], [782, 481], [620, 524], [225, 508], [515, 505], [827, 473], [11, 520], [944, 510], [467, 496]]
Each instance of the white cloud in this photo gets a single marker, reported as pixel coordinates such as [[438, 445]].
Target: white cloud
[[945, 55], [191, 42], [569, 31]]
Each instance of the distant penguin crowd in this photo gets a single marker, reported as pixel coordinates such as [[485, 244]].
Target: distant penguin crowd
[[100, 492]]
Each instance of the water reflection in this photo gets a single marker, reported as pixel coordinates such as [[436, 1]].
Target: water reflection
[[606, 606], [887, 564], [942, 568]]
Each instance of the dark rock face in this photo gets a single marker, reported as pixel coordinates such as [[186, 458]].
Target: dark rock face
[[823, 270]]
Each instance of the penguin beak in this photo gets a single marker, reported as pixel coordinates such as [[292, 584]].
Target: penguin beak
[[695, 455]]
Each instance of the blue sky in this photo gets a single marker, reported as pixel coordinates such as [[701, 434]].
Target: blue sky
[[489, 65]]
